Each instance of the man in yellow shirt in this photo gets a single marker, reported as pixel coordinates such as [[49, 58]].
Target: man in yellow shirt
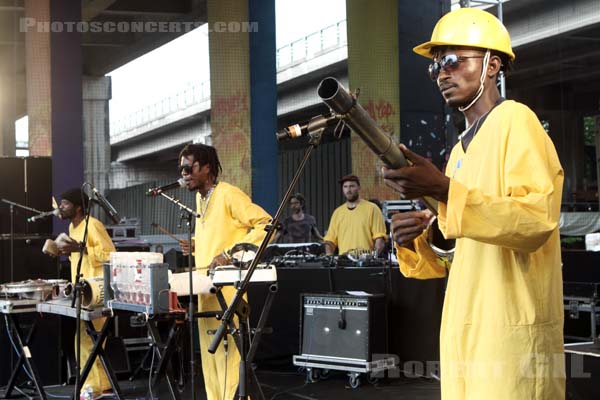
[[227, 216], [97, 250], [501, 335], [355, 225]]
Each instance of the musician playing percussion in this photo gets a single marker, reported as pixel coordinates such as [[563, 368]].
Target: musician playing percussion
[[227, 217], [98, 247], [502, 324], [355, 225]]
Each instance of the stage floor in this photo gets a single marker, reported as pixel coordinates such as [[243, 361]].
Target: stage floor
[[583, 366], [291, 384]]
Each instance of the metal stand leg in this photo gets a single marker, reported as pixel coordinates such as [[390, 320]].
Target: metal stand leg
[[248, 384], [98, 351], [164, 351], [24, 358]]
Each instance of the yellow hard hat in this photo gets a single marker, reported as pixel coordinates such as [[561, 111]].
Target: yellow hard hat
[[468, 27]]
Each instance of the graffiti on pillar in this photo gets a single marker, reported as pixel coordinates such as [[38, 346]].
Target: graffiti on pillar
[[230, 118], [382, 112], [366, 164]]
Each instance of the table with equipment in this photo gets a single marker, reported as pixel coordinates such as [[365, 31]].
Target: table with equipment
[[17, 299]]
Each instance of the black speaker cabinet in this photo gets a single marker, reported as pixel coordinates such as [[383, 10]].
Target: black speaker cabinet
[[343, 326], [26, 181]]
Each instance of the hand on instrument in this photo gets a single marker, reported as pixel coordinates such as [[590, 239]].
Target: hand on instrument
[[185, 246], [406, 226], [218, 261], [420, 179], [65, 248], [379, 246]]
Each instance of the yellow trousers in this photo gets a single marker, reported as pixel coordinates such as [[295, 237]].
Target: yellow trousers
[[97, 377], [221, 370]]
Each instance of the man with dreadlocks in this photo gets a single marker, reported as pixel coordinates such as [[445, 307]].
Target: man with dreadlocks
[[501, 335], [97, 250], [227, 216]]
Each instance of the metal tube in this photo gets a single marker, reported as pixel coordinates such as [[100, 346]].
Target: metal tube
[[381, 143]]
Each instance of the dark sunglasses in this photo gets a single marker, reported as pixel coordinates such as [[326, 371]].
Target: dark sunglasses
[[188, 169], [448, 63]]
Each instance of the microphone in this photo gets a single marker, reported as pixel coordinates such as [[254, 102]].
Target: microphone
[[108, 208], [297, 130], [158, 190], [53, 213]]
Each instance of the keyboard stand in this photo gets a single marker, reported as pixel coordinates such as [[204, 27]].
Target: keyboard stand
[[22, 347]]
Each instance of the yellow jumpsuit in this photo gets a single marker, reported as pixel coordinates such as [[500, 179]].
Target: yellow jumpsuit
[[502, 325], [99, 247], [357, 228], [228, 218]]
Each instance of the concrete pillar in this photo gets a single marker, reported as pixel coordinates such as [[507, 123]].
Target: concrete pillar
[[7, 111], [374, 68], [243, 94], [38, 78], [230, 90], [96, 140], [54, 105]]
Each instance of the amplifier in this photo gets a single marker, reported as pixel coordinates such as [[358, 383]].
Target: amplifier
[[343, 326]]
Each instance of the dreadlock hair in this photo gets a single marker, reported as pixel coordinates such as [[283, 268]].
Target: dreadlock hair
[[204, 155]]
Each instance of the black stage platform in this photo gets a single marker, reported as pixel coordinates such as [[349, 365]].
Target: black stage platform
[[290, 384]]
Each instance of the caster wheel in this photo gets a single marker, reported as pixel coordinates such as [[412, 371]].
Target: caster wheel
[[324, 374], [312, 375], [354, 382], [372, 380]]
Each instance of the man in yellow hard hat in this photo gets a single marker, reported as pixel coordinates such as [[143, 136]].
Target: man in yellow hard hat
[[501, 334]]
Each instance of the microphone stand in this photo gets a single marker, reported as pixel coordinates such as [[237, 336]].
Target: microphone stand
[[12, 205], [315, 131], [189, 215], [76, 302]]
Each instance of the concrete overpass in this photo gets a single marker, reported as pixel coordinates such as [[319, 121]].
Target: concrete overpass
[[556, 74], [556, 47]]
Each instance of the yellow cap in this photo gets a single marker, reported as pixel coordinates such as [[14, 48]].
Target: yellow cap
[[468, 27]]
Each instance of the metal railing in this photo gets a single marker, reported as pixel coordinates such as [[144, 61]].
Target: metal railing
[[193, 94], [309, 47], [312, 46]]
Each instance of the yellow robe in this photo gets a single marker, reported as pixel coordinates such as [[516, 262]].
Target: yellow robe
[[357, 228], [99, 247], [229, 218], [502, 325]]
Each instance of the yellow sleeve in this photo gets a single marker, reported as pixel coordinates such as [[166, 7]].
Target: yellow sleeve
[[526, 213], [422, 263], [378, 225], [250, 215], [332, 230], [99, 245]]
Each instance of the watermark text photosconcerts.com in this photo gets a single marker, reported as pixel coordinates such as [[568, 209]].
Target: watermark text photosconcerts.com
[[33, 25]]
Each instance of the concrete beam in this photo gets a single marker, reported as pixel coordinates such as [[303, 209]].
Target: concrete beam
[[92, 8], [540, 21]]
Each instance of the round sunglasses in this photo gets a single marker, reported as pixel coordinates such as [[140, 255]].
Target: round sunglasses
[[448, 63], [188, 169]]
